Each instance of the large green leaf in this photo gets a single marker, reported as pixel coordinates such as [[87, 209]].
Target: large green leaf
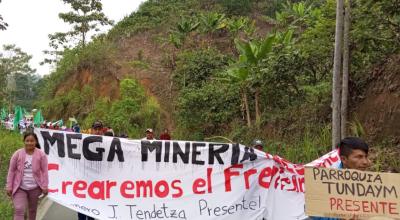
[[266, 47], [246, 49]]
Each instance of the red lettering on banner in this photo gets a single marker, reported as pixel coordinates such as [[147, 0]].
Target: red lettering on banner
[[64, 186], [383, 205], [286, 180], [128, 189], [295, 184], [290, 167], [109, 185], [339, 204], [375, 207], [52, 166], [348, 205], [393, 208], [178, 188], [357, 205], [265, 173], [165, 189], [333, 158], [228, 174], [209, 184], [330, 160], [127, 185], [199, 183], [147, 186], [79, 186], [247, 175], [365, 206], [96, 190], [276, 181], [332, 202]]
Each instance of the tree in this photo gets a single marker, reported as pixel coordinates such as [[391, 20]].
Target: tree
[[336, 87], [345, 77], [240, 76], [16, 76], [3, 25], [86, 16], [251, 54]]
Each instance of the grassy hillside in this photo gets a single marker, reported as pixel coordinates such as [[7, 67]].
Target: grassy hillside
[[241, 69]]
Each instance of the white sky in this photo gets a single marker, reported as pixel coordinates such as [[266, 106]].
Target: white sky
[[31, 21]]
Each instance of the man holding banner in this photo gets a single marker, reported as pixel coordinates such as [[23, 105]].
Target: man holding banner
[[112, 178], [354, 155]]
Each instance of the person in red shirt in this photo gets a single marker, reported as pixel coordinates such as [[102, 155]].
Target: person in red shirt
[[165, 135]]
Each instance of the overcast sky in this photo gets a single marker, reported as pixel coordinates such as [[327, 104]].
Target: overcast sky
[[31, 21]]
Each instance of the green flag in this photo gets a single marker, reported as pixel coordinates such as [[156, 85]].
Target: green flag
[[59, 122], [38, 119], [17, 116]]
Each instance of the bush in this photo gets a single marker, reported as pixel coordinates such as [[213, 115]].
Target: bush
[[207, 110], [152, 14], [9, 143], [195, 68], [133, 112], [236, 7]]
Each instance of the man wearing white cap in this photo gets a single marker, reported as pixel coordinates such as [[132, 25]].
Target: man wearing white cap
[[149, 134]]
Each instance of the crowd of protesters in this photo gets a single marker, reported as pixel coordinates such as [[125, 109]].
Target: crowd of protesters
[[27, 177], [22, 125]]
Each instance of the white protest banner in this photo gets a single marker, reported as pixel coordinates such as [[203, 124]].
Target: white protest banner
[[344, 193], [116, 178]]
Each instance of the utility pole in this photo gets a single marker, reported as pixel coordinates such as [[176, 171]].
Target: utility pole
[[336, 85]]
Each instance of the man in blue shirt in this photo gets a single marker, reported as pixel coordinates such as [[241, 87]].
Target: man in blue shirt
[[353, 154]]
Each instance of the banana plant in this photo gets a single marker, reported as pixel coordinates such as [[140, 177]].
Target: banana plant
[[240, 76], [251, 53], [212, 22], [297, 15], [235, 25], [185, 26]]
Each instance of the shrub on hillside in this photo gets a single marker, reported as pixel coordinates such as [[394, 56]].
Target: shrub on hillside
[[236, 7], [195, 68], [207, 110]]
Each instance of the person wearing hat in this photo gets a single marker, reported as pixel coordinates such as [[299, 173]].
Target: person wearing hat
[[97, 128], [258, 144], [149, 134]]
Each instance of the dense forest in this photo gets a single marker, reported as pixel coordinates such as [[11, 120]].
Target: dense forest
[[240, 69]]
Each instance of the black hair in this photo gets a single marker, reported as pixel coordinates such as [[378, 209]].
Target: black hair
[[123, 135], [97, 124], [108, 133], [30, 133], [347, 145]]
